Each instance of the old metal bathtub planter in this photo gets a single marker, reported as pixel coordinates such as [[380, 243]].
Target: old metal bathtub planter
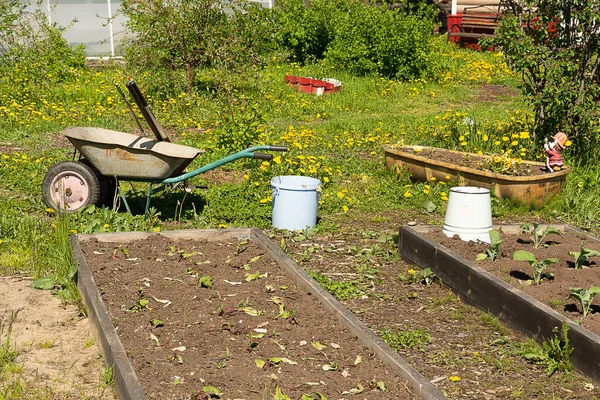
[[532, 189]]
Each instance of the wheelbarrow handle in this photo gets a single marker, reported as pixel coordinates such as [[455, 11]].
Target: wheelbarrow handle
[[279, 148], [262, 156]]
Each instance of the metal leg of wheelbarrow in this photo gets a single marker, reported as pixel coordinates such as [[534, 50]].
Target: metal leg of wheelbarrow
[[123, 198]]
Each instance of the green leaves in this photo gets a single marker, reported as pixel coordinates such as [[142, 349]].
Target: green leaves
[[581, 257], [493, 248], [539, 267], [537, 233], [585, 297]]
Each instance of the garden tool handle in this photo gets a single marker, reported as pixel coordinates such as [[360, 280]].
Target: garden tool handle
[[262, 156], [279, 148]]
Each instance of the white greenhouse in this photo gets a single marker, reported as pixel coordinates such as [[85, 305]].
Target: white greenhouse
[[96, 24]]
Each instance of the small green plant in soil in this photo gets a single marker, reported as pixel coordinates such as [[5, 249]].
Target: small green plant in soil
[[493, 249], [581, 257], [205, 282], [585, 297], [537, 234], [538, 267], [340, 290], [424, 276], [411, 338], [555, 352]]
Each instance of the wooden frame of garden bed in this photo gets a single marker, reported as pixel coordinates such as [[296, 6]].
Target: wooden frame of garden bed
[[489, 293], [127, 386]]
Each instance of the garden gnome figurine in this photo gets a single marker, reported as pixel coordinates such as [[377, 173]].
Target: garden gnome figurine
[[554, 161]]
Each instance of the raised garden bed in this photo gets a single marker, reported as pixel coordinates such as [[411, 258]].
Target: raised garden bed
[[528, 183], [503, 286], [178, 332]]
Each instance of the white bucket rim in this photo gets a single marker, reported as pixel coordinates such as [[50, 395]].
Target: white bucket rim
[[299, 182], [470, 190]]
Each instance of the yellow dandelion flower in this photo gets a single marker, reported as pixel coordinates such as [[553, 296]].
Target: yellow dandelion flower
[[411, 271], [505, 138], [345, 208], [568, 143], [454, 378], [524, 135], [50, 210], [325, 179], [223, 226], [407, 194], [486, 138], [432, 179], [73, 231], [340, 194], [514, 143], [156, 229]]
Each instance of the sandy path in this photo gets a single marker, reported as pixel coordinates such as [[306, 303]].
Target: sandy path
[[58, 351]]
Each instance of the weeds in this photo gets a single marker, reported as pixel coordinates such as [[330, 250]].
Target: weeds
[[411, 338], [555, 352]]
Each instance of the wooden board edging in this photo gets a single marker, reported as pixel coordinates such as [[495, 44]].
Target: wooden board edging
[[421, 386], [127, 385], [491, 294]]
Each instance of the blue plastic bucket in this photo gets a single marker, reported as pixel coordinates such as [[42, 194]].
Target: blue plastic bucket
[[295, 201]]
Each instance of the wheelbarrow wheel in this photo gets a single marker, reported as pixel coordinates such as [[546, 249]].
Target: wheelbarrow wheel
[[70, 186], [108, 186]]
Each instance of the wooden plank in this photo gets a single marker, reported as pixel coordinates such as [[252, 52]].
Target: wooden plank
[[492, 294]]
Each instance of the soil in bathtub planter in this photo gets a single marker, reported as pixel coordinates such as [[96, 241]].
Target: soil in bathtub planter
[[525, 181], [199, 316], [553, 290]]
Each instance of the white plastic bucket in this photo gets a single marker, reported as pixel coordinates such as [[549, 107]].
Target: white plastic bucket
[[469, 214], [295, 201]]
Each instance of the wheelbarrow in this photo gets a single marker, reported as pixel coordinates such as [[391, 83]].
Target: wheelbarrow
[[108, 157]]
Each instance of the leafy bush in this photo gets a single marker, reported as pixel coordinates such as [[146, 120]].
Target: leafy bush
[[374, 40], [177, 38], [363, 39], [556, 47], [307, 31]]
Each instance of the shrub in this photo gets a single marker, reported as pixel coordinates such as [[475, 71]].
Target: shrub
[[175, 39], [374, 40], [363, 39], [556, 48]]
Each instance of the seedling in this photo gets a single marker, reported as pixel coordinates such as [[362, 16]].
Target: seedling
[[493, 249], [585, 297], [139, 306], [537, 234], [283, 313], [538, 267], [581, 257], [205, 282], [424, 276]]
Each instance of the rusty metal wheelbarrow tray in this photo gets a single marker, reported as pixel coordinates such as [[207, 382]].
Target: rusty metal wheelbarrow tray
[[128, 156]]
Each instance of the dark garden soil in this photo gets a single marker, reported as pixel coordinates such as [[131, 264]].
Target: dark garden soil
[[466, 353], [552, 291], [474, 161], [246, 331]]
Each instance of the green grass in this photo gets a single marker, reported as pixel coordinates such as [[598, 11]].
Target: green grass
[[336, 138]]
